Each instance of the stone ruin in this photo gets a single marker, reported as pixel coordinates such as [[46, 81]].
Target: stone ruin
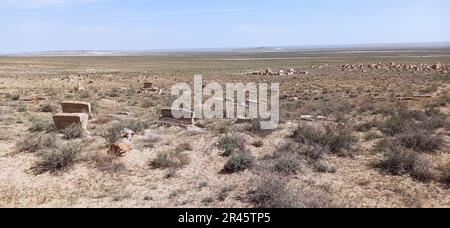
[[76, 107], [438, 67], [167, 116], [279, 72], [74, 112], [65, 120], [148, 88]]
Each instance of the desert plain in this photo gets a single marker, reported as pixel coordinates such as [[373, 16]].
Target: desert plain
[[358, 129]]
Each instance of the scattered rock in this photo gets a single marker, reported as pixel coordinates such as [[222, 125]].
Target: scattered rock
[[438, 67], [123, 145], [307, 117]]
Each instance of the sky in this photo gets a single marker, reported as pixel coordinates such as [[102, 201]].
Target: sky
[[51, 25]]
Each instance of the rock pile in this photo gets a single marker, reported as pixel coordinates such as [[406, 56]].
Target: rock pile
[[123, 145], [148, 88], [279, 72], [438, 67]]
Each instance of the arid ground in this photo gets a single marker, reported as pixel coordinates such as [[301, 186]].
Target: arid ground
[[369, 135]]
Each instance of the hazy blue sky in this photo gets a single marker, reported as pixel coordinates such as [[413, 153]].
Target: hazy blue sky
[[35, 25]]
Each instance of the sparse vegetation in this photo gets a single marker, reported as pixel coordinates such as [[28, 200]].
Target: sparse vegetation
[[184, 147], [230, 144], [48, 108], [35, 142], [56, 160], [22, 109], [224, 192], [13, 97], [108, 163], [446, 175], [74, 131], [332, 138], [239, 161], [401, 162], [40, 125], [170, 160], [273, 192], [372, 135], [420, 140], [404, 116], [258, 144], [287, 163]]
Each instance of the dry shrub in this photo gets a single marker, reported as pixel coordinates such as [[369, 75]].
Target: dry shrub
[[13, 97], [258, 144], [74, 131], [170, 160], [333, 107], [446, 175], [288, 163], [367, 126], [108, 163], [103, 119], [36, 141], [335, 139], [395, 125], [84, 94], [273, 192], [231, 143], [442, 100], [184, 147], [39, 125], [150, 138], [148, 103], [221, 127], [372, 135], [56, 160], [420, 140], [239, 161], [405, 120], [406, 162], [48, 108]]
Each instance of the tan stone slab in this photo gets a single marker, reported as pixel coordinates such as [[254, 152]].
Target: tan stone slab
[[76, 107], [64, 120]]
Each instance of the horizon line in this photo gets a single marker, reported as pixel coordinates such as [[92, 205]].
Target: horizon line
[[281, 48]]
